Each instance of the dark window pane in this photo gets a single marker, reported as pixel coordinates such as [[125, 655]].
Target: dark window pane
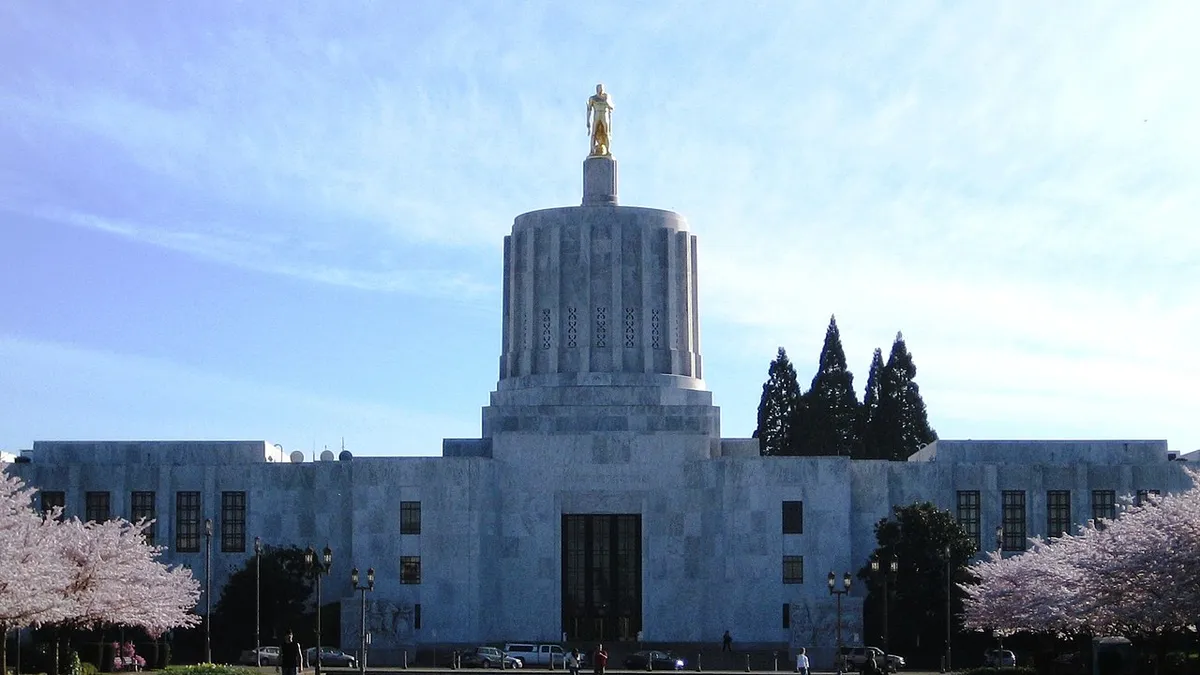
[[793, 517], [793, 569], [141, 507], [187, 522], [410, 569], [53, 499], [1058, 512], [968, 514], [410, 517], [1104, 504], [97, 506], [1013, 503], [233, 522], [787, 615]]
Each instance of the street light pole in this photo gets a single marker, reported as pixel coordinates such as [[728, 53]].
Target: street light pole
[[834, 590], [257, 601], [362, 633], [999, 539], [318, 567], [208, 590], [892, 568]]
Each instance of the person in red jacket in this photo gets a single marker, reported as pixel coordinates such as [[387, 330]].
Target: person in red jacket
[[599, 659]]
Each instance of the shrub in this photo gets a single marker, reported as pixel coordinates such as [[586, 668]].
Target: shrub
[[208, 669]]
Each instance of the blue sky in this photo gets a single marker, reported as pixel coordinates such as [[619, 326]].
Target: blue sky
[[282, 221]]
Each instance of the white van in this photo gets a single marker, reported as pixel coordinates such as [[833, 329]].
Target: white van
[[536, 655]]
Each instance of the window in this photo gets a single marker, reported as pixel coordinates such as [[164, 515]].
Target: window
[[968, 514], [1013, 503], [96, 504], [793, 569], [187, 522], [410, 517], [1058, 512], [787, 615], [233, 522], [410, 569], [1104, 504], [793, 517], [141, 507], [417, 616], [53, 500], [1141, 496]]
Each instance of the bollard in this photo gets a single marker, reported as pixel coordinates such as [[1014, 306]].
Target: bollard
[[777, 662], [406, 659], [698, 668], [747, 663]]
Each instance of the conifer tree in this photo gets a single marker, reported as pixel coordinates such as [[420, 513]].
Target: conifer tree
[[901, 424], [777, 408], [830, 421], [870, 409]]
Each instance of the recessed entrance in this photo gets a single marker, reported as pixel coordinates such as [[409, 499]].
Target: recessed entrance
[[602, 576]]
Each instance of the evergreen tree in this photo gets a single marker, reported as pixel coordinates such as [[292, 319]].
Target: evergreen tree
[[777, 408], [830, 420], [870, 410], [901, 424]]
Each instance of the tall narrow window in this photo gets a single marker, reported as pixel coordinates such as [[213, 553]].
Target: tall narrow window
[[53, 499], [97, 506], [187, 522], [410, 569], [1141, 497], [1104, 504], [417, 616], [793, 569], [410, 517], [233, 522], [968, 514], [787, 615], [141, 507], [793, 517], [1013, 502], [1058, 512]]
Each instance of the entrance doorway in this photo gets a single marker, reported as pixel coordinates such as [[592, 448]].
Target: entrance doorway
[[602, 576]]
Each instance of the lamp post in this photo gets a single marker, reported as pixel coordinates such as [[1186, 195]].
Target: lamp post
[[999, 538], [839, 592], [318, 567], [257, 601], [362, 634], [208, 590], [949, 588], [892, 567]]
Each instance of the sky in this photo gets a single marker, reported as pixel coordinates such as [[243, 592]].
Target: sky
[[284, 222]]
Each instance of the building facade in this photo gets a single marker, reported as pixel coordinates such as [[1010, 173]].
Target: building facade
[[600, 501]]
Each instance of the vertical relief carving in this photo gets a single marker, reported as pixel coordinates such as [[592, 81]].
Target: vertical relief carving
[[572, 327], [655, 332], [630, 324], [601, 326], [546, 333], [524, 330]]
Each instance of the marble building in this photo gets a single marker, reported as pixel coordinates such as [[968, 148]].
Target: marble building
[[600, 500]]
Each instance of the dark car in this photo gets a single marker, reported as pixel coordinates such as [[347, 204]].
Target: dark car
[[657, 661]]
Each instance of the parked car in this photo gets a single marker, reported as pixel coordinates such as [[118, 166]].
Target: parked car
[[330, 657], [999, 658], [267, 656], [536, 655], [488, 657], [855, 658], [657, 660]]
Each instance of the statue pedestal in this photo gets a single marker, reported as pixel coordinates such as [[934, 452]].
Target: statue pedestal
[[599, 181]]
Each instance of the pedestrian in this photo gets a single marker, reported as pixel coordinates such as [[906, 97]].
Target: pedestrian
[[573, 662], [727, 642], [802, 662], [291, 658], [599, 660]]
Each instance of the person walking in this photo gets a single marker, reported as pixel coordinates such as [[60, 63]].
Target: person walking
[[727, 642], [802, 662], [599, 660], [291, 657], [573, 662]]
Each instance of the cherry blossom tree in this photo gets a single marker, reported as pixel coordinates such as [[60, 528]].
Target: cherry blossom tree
[[33, 575], [1136, 575], [116, 579]]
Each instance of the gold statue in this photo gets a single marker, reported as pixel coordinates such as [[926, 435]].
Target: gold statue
[[599, 122]]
